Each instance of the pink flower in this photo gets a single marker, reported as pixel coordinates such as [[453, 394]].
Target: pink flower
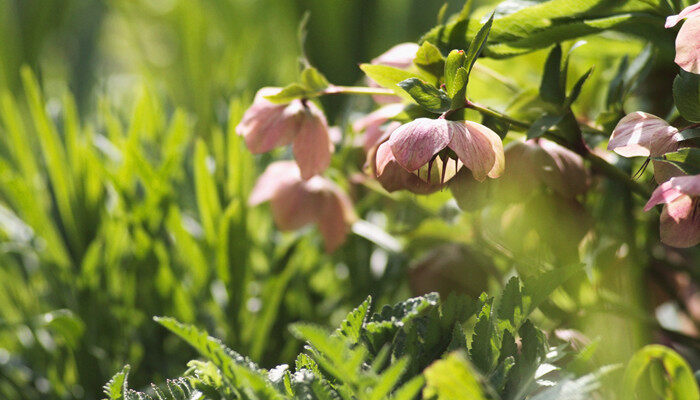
[[643, 135], [687, 43], [432, 143], [266, 125], [400, 56], [680, 218], [546, 162], [296, 202]]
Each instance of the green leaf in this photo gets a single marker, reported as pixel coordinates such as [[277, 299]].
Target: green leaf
[[687, 160], [532, 352], [383, 325], [455, 61], [410, 389], [389, 379], [208, 203], [239, 371], [115, 388], [551, 89], [426, 96], [477, 45], [543, 124], [429, 60], [313, 79], [581, 388], [288, 93], [389, 77], [510, 304], [459, 84], [499, 126], [686, 94], [484, 346], [576, 89], [666, 367], [351, 327], [536, 289], [452, 379]]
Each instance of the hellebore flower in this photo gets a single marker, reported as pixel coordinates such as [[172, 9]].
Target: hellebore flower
[[394, 177], [400, 56], [296, 202], [680, 218], [643, 135], [540, 160], [266, 125], [432, 143], [687, 43], [373, 124]]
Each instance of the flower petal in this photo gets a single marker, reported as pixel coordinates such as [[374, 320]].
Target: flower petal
[[399, 56], [688, 46], [688, 184], [680, 232], [277, 175], [312, 145], [571, 178], [372, 124], [266, 125], [644, 135], [479, 148], [415, 143], [293, 206], [394, 177], [336, 216], [688, 12], [664, 193]]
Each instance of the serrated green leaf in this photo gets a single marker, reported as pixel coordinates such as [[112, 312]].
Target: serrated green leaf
[[351, 327], [477, 45], [389, 379], [410, 389], [455, 61], [383, 325], [452, 379], [389, 77], [429, 60], [510, 304], [686, 95], [239, 371], [115, 388], [484, 346], [427, 96]]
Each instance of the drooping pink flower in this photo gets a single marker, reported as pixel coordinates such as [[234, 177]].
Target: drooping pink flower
[[687, 43], [680, 218], [643, 135], [546, 162], [422, 142], [400, 56], [296, 202], [266, 125]]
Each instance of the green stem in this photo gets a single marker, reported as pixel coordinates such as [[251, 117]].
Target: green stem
[[333, 89]]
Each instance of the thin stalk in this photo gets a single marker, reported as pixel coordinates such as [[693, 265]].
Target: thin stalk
[[333, 89]]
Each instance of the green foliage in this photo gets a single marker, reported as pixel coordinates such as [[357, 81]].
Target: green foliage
[[656, 371], [427, 96], [686, 95]]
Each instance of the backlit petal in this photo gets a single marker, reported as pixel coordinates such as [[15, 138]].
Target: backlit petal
[[479, 148], [683, 232], [688, 12], [643, 135], [266, 125], [312, 145], [688, 46], [277, 175]]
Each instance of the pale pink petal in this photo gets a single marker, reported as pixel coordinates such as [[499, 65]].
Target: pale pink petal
[[688, 12], [479, 148], [689, 184], [394, 177], [664, 193], [384, 156], [294, 207], [277, 175], [372, 124], [415, 143], [644, 135], [571, 179], [266, 125], [336, 217], [399, 56], [688, 46], [312, 145], [680, 232]]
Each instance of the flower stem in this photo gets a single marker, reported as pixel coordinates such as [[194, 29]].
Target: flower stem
[[333, 89]]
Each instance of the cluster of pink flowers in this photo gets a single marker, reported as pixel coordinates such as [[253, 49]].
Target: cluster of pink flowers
[[644, 135]]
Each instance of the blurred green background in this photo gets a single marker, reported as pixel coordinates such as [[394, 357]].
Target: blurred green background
[[123, 190]]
